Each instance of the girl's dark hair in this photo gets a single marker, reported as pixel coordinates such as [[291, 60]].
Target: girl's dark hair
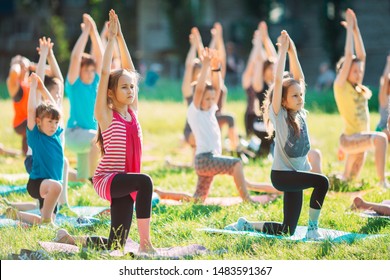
[[113, 80], [291, 117], [47, 110], [50, 82], [87, 60], [267, 63]]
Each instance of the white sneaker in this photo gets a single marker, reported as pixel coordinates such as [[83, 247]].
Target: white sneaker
[[244, 225], [232, 227], [241, 225], [385, 184], [313, 234]]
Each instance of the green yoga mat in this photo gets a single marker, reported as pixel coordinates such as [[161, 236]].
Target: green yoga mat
[[7, 190], [299, 235]]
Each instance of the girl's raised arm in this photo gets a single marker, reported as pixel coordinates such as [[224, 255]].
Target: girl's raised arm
[[358, 43], [343, 72], [77, 52], [258, 73], [283, 43], [216, 74], [198, 41], [54, 67], [268, 45], [186, 88], [247, 76], [103, 113], [201, 84], [32, 105], [126, 60], [295, 66], [220, 48], [45, 93], [384, 85], [97, 45]]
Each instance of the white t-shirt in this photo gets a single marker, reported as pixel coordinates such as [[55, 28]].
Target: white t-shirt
[[290, 151], [206, 130]]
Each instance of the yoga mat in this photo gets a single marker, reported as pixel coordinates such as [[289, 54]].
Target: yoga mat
[[14, 177], [226, 201], [90, 211], [10, 188], [86, 211], [372, 214], [300, 233], [54, 247], [12, 223], [60, 221], [85, 219], [7, 190], [131, 248]]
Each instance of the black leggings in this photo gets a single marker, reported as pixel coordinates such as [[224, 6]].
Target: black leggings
[[122, 206], [292, 183]]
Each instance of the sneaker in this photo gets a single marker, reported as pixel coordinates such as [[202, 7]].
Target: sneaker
[[244, 225], [232, 227], [314, 235], [385, 184]]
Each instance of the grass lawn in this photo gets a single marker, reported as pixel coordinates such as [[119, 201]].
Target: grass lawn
[[162, 124]]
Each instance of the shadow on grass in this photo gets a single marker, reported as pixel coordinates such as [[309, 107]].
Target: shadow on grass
[[374, 225], [346, 186], [165, 170], [187, 212]]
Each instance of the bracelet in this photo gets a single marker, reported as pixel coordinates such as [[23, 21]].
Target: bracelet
[[216, 70]]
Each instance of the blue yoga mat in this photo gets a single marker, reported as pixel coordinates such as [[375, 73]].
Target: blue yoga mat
[[86, 218], [7, 190], [300, 233], [372, 214]]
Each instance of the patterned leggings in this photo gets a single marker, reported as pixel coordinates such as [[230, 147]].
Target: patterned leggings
[[207, 166]]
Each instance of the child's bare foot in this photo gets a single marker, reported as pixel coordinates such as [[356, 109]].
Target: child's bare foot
[[63, 236], [357, 203], [147, 248]]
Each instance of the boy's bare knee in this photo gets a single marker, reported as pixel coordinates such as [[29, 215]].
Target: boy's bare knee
[[55, 187]]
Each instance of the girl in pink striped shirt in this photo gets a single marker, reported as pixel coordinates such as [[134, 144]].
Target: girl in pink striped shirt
[[117, 178]]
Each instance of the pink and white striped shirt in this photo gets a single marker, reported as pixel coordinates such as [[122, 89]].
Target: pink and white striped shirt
[[122, 142]]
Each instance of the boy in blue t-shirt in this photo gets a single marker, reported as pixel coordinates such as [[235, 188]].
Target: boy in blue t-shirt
[[43, 134]]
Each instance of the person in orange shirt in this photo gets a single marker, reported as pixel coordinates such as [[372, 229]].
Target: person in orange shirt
[[18, 89]]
